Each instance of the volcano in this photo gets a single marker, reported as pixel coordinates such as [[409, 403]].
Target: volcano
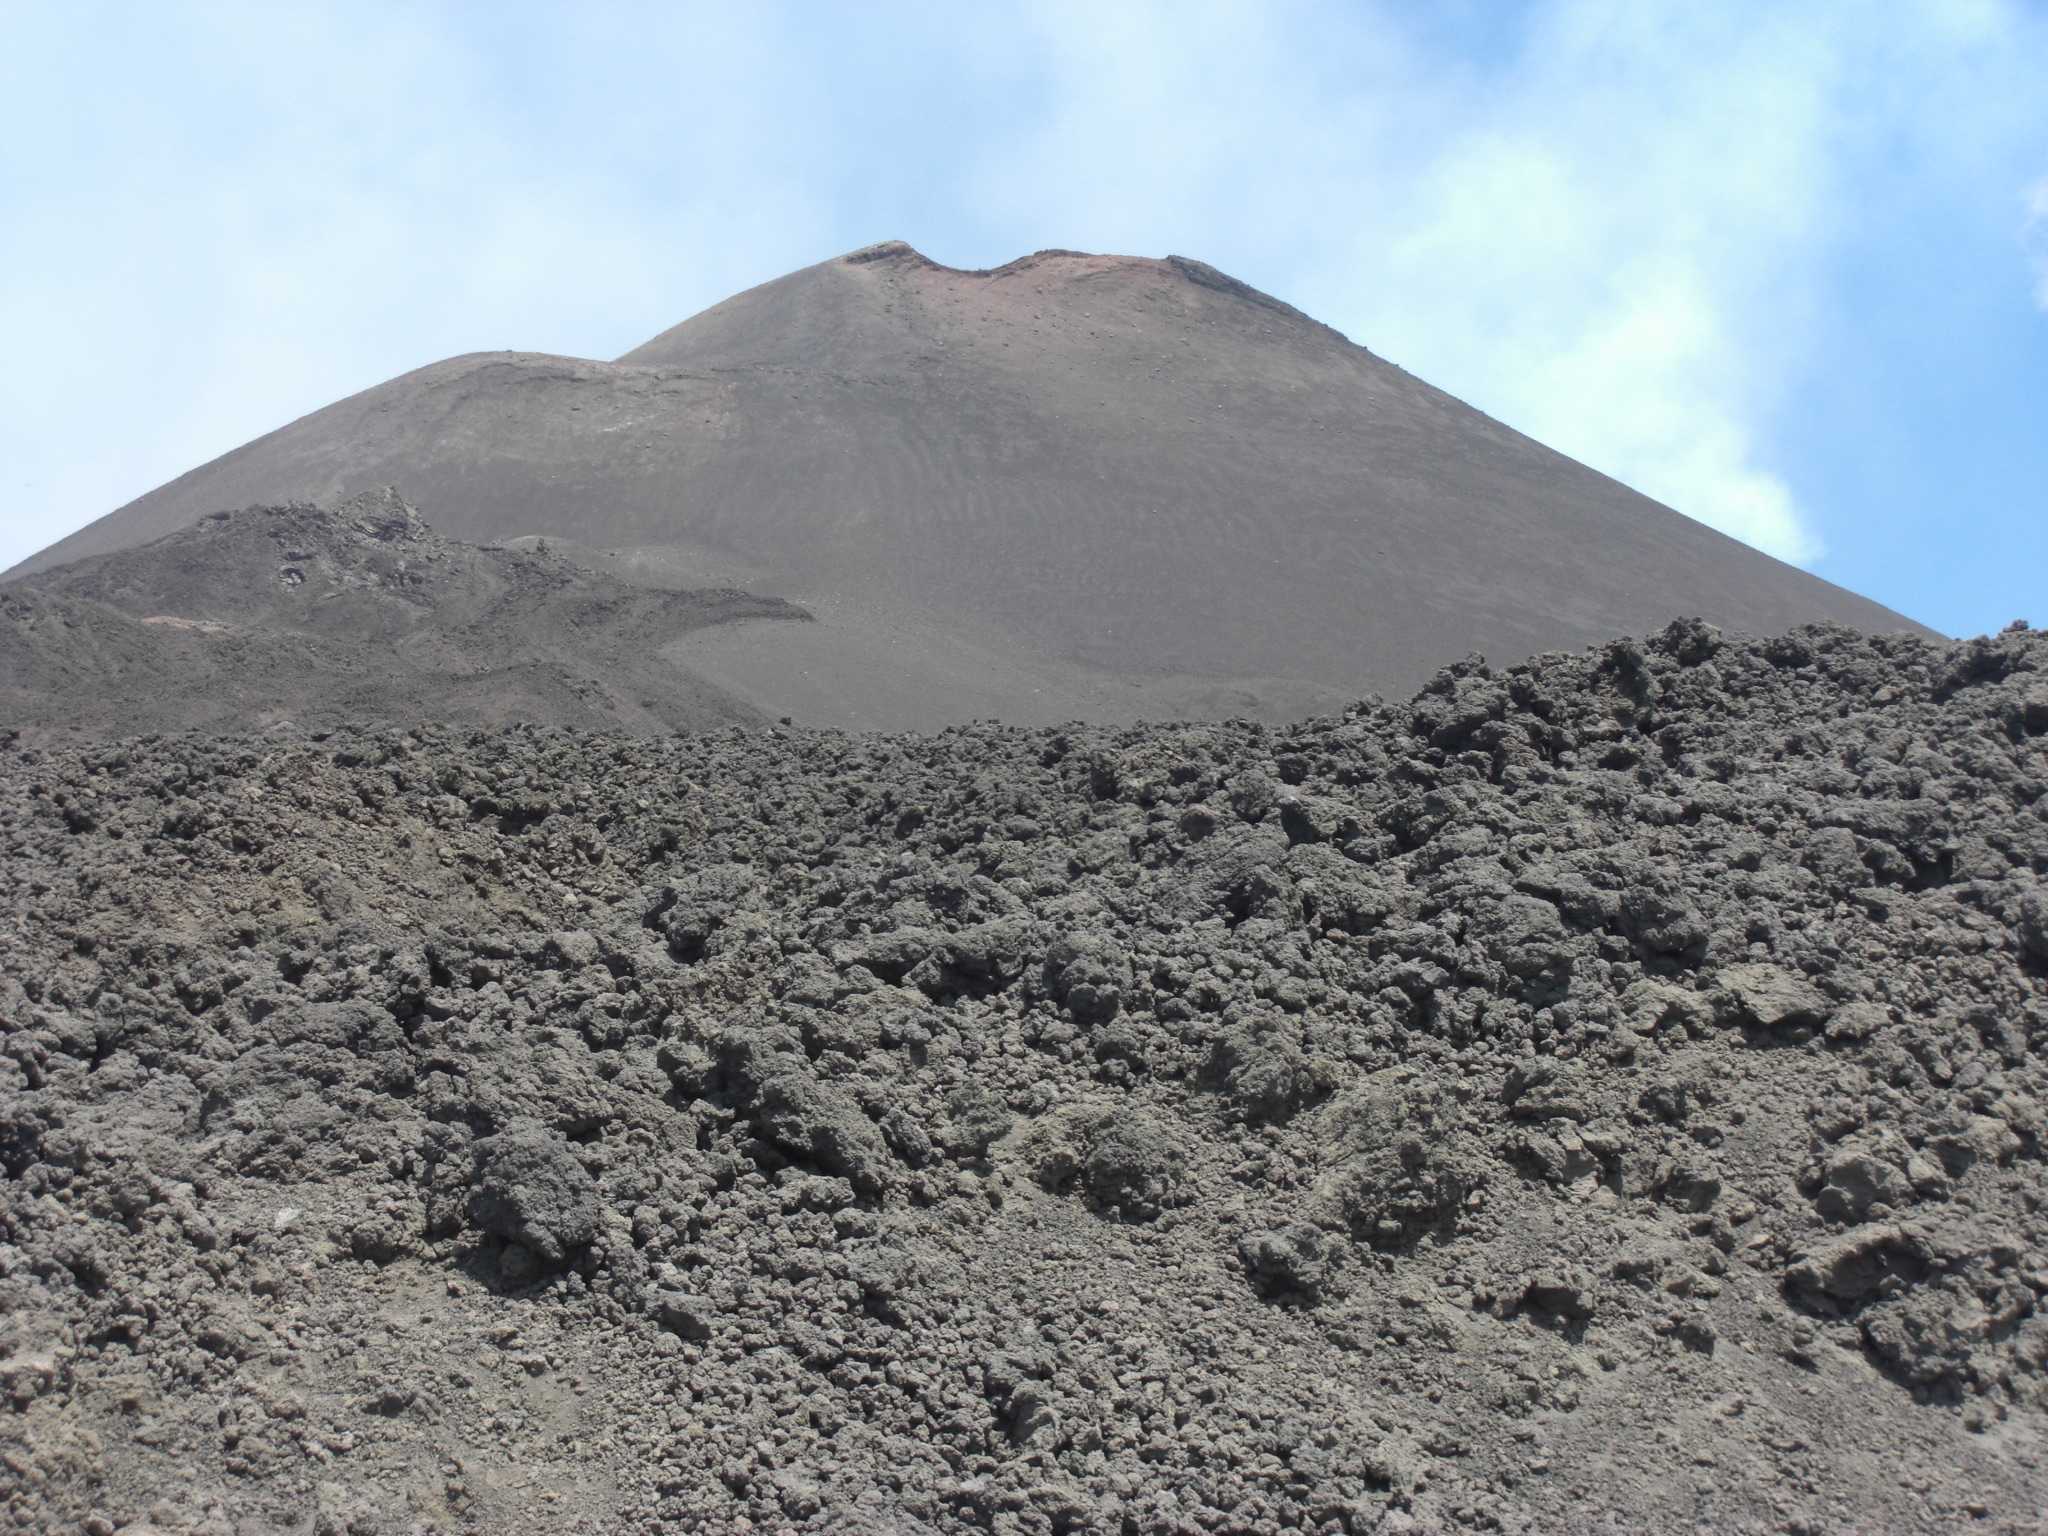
[[1075, 486], [466, 1064]]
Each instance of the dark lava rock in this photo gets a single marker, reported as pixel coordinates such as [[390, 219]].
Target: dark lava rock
[[531, 1190], [1286, 1263]]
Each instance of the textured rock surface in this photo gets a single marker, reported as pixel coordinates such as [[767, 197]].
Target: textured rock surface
[[1602, 1094]]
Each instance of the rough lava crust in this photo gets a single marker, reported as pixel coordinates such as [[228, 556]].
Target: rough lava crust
[[1605, 1093]]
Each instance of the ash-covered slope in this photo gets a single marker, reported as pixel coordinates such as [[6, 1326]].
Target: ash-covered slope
[[1074, 486], [1605, 1094], [297, 614]]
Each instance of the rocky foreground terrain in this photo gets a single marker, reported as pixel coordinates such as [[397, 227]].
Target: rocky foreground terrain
[[1608, 1093]]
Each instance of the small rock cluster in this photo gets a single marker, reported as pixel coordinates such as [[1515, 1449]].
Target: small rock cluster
[[1605, 1093]]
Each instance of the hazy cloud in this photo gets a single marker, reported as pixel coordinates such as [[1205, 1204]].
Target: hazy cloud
[[1603, 235], [1615, 260], [2035, 234], [1610, 224], [233, 215]]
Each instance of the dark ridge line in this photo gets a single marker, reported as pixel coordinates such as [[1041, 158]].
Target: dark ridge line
[[1200, 273]]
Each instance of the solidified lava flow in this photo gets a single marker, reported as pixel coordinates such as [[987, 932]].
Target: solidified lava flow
[[1601, 1093]]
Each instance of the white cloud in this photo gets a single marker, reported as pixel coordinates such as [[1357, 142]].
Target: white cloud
[[1612, 260], [2035, 234], [1602, 239], [1611, 224], [237, 216]]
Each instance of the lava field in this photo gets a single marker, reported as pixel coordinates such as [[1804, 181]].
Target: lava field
[[1603, 1093]]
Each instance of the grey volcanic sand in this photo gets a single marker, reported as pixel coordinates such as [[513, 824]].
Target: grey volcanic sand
[[1604, 1094], [1072, 487]]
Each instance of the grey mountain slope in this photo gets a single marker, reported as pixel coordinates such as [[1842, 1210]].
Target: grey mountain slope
[[1074, 485]]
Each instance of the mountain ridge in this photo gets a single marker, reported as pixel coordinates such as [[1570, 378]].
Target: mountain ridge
[[1130, 486]]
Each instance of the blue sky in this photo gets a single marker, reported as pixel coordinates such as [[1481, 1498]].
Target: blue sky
[[1784, 267]]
